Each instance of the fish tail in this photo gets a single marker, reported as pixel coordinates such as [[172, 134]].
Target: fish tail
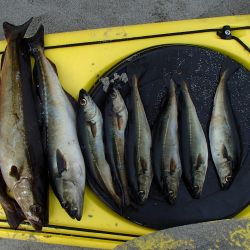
[[37, 40], [134, 81], [12, 32], [180, 83], [228, 68]]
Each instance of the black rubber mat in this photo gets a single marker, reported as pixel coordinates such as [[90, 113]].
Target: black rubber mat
[[200, 67]]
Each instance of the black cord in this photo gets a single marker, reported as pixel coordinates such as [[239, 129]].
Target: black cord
[[150, 37], [153, 36], [241, 43]]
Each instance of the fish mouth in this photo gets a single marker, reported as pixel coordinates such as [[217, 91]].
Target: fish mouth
[[35, 223], [196, 193], [73, 212], [171, 197], [142, 196], [226, 184]]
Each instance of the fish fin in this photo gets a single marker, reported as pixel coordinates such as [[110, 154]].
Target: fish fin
[[14, 172], [228, 68], [199, 162], [172, 166], [72, 101], [2, 58], [225, 154], [53, 65], [135, 70], [14, 215], [143, 165], [12, 31], [119, 122], [37, 40], [93, 128], [61, 162]]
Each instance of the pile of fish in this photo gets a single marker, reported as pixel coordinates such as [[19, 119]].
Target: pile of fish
[[122, 155], [47, 136], [38, 134]]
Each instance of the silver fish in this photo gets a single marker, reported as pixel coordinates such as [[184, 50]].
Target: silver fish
[[65, 160], [194, 150], [166, 157], [223, 134], [90, 131], [15, 155], [140, 168], [115, 121]]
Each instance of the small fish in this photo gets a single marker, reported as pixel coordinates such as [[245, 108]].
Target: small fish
[[223, 133], [63, 152], [90, 131], [166, 157], [139, 146], [16, 112], [194, 152], [115, 122]]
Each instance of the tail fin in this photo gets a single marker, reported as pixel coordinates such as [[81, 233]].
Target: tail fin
[[134, 81], [228, 68], [37, 39], [12, 32]]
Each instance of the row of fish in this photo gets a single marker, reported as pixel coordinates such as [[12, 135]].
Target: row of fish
[[127, 171], [43, 130], [38, 134]]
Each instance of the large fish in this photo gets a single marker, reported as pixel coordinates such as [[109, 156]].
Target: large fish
[[223, 133], [139, 146], [20, 155], [115, 122], [90, 132], [194, 152], [166, 157], [65, 160]]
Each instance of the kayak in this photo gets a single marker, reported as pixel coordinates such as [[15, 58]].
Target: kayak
[[82, 57]]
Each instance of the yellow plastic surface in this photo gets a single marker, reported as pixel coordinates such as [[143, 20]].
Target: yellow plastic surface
[[80, 67]]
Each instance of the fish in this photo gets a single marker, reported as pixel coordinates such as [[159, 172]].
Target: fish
[[58, 124], [17, 116], [166, 156], [139, 143], [13, 212], [193, 144], [223, 132], [115, 122], [90, 132]]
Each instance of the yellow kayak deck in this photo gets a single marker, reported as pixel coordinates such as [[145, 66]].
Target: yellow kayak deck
[[80, 66]]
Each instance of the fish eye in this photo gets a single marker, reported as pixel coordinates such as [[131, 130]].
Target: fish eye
[[196, 188], [141, 193], [113, 94], [228, 178], [171, 192], [83, 102]]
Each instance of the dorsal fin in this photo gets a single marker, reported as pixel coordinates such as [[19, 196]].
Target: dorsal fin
[[61, 162]]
